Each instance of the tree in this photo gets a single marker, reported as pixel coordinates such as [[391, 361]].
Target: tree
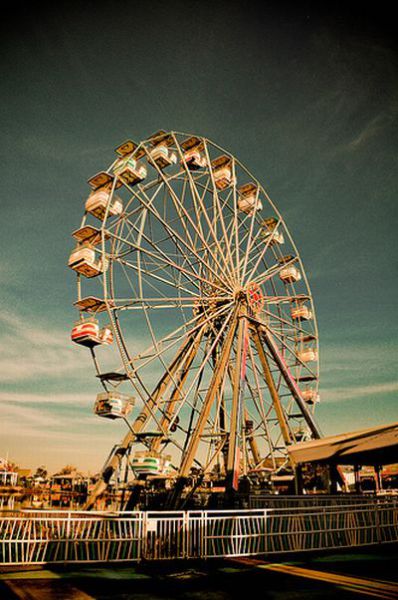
[[41, 472], [67, 470]]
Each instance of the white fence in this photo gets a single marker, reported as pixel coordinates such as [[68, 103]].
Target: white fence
[[263, 500], [38, 537]]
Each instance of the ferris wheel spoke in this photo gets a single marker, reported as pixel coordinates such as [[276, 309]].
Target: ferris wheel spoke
[[263, 251], [201, 210], [274, 270], [177, 335], [199, 233], [160, 255], [161, 260], [168, 282], [157, 243], [234, 239], [212, 240], [216, 243], [238, 224], [249, 239], [258, 238], [175, 235], [285, 299], [282, 321], [179, 207], [225, 241], [160, 302], [219, 216]]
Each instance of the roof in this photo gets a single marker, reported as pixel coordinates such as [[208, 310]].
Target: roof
[[374, 446]]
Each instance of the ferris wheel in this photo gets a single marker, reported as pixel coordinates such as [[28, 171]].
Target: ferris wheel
[[195, 306]]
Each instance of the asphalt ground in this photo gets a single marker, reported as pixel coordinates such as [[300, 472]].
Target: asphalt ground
[[369, 573]]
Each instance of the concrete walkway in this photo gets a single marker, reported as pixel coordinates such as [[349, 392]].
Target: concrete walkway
[[364, 574]]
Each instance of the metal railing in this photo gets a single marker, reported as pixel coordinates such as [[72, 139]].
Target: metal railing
[[263, 500], [38, 537]]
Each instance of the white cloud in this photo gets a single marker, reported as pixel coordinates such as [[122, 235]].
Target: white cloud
[[55, 433], [29, 351], [369, 130], [69, 400], [379, 357], [60, 417], [340, 394]]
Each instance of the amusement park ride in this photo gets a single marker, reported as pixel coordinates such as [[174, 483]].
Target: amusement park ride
[[195, 307]]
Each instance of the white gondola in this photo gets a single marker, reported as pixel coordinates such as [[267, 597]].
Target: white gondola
[[84, 260], [223, 177], [163, 156], [249, 204], [248, 200], [150, 463], [86, 332], [274, 237], [301, 313], [310, 396], [113, 405], [270, 232], [97, 203], [89, 235], [307, 355], [194, 159], [222, 172], [290, 274], [130, 170]]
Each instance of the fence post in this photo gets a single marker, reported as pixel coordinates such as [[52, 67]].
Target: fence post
[[186, 535], [265, 528], [144, 532], [203, 534], [68, 527], [377, 523]]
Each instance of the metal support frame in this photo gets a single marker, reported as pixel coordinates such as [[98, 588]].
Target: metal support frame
[[114, 461], [216, 381]]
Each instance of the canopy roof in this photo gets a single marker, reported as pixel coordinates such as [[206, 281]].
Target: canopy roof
[[375, 446]]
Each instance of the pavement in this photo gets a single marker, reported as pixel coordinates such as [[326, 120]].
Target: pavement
[[345, 575]]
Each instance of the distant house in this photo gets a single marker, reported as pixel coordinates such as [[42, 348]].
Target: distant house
[[8, 473], [23, 476], [71, 481]]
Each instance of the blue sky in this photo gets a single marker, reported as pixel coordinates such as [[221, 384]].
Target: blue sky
[[308, 101]]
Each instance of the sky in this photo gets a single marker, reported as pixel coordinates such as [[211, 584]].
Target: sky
[[306, 98]]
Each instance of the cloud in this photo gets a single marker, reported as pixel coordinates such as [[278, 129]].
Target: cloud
[[72, 400], [372, 128], [59, 418], [368, 358], [28, 351], [54, 430], [351, 393]]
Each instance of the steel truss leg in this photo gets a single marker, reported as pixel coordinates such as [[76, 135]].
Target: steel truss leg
[[216, 381], [115, 459], [287, 376], [176, 394], [280, 415], [236, 412]]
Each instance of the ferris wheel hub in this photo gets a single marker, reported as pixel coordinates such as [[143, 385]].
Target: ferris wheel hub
[[254, 296]]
